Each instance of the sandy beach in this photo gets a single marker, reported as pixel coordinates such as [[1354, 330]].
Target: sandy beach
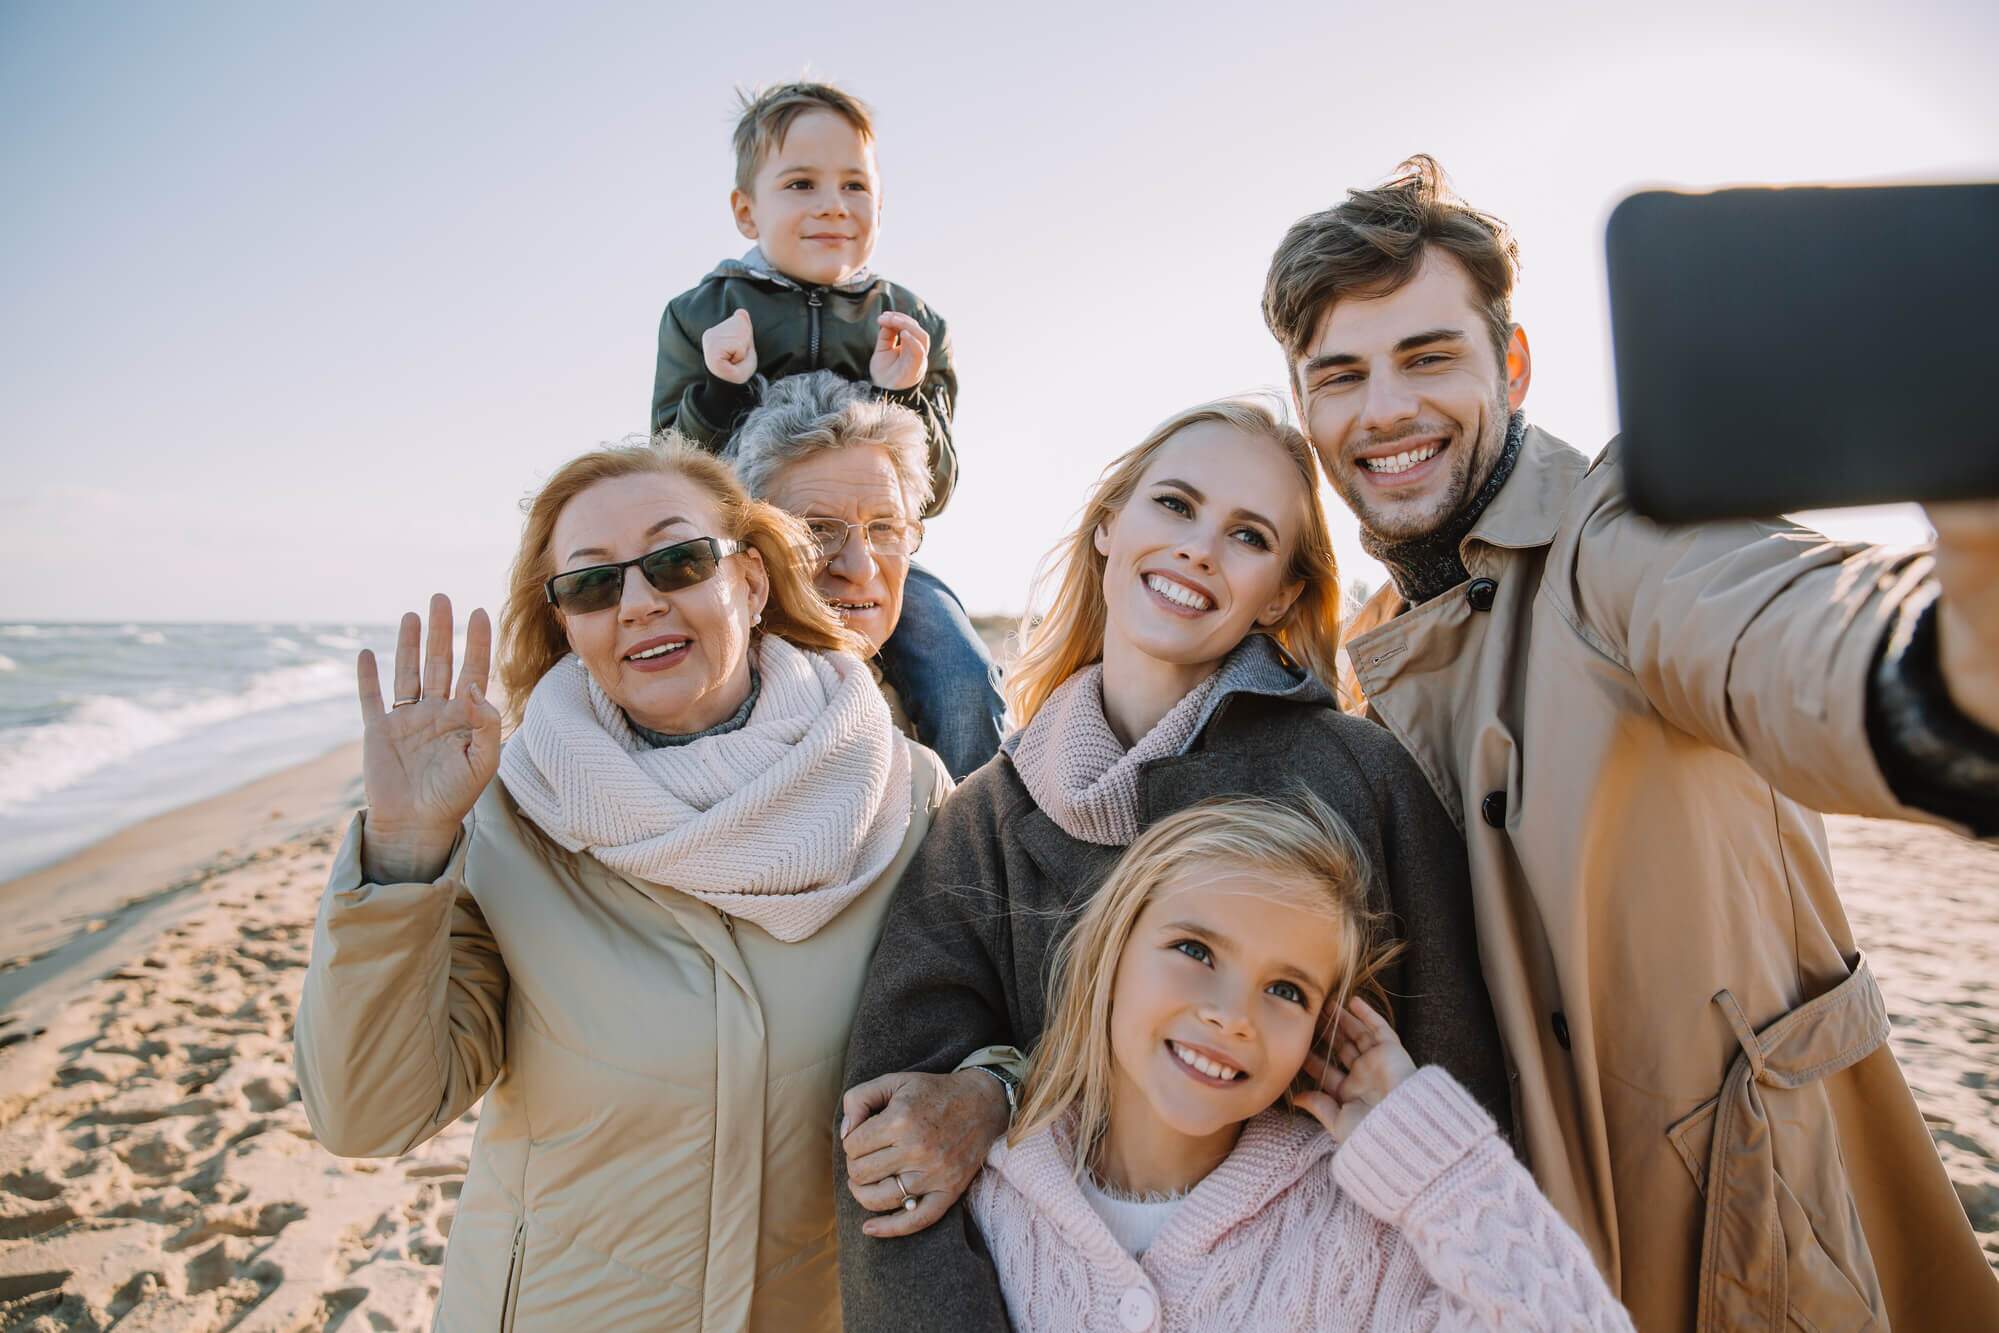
[[156, 1170]]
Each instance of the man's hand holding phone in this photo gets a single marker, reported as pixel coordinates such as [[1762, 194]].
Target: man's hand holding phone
[[1968, 606]]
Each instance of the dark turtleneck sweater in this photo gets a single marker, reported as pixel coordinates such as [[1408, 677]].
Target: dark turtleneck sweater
[[1427, 566]]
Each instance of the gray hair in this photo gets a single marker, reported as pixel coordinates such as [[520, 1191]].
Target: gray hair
[[821, 410]]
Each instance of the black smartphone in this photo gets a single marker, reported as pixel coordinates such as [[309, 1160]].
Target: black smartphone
[[1806, 348]]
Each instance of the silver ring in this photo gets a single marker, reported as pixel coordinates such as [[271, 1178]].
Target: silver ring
[[405, 703], [908, 1199]]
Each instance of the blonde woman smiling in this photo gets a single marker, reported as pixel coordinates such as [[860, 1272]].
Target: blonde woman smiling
[[1195, 613], [644, 943]]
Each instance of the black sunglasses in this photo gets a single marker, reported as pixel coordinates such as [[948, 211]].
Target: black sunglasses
[[669, 569]]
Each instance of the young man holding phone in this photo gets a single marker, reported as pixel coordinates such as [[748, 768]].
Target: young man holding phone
[[1635, 726]]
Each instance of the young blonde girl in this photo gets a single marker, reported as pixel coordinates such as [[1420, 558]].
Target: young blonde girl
[[1187, 1158]]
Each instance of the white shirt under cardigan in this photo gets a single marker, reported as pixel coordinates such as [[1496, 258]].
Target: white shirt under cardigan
[[1132, 1222], [1422, 1219]]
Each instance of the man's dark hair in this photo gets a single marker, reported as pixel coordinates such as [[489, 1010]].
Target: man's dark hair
[[1373, 243]]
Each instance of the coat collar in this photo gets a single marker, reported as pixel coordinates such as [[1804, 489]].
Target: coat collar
[[1524, 515], [1529, 507], [1258, 668], [1258, 665]]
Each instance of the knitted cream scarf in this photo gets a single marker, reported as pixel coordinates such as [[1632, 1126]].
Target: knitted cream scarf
[[782, 822], [1077, 770]]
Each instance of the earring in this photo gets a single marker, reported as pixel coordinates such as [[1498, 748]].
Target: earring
[[758, 619]]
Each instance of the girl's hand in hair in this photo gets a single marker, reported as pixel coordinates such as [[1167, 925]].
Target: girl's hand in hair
[[1371, 1062], [902, 353], [425, 763]]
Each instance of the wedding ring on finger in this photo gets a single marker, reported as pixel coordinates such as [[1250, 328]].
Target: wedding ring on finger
[[405, 703], [908, 1199]]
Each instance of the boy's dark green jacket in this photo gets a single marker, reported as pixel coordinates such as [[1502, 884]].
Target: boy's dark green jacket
[[797, 328]]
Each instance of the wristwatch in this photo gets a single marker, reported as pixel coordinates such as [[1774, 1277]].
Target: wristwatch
[[1008, 1081]]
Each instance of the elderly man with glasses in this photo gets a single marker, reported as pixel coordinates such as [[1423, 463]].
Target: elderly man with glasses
[[855, 468]]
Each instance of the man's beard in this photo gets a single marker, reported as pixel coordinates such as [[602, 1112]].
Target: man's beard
[[1469, 469]]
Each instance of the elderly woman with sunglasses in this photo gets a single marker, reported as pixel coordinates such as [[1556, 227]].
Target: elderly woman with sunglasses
[[856, 468], [644, 943]]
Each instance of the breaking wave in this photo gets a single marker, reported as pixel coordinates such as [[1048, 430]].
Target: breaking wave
[[99, 730]]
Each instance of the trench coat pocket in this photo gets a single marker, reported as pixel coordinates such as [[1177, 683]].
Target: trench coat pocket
[[1781, 1242], [1692, 1137]]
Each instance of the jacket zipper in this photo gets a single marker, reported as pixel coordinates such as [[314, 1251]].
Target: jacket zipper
[[812, 338], [513, 1287]]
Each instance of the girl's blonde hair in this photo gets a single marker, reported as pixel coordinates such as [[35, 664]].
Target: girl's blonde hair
[[1068, 635], [531, 635], [1310, 856]]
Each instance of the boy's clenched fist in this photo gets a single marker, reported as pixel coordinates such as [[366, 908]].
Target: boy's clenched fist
[[902, 353], [730, 349]]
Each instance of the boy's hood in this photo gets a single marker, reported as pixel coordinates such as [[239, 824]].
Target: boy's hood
[[755, 267]]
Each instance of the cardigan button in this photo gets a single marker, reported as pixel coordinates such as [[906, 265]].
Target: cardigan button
[[1480, 594], [1136, 1309], [1493, 808], [1561, 1026]]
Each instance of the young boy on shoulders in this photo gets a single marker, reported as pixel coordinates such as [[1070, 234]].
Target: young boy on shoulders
[[808, 194]]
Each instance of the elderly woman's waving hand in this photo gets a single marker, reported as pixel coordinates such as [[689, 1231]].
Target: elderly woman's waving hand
[[425, 757]]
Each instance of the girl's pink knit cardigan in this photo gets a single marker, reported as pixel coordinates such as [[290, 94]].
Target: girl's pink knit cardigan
[[1421, 1220]]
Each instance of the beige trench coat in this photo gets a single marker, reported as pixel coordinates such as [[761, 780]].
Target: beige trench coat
[[661, 1081], [1633, 726]]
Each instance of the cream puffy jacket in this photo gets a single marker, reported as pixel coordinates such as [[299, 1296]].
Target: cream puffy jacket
[[661, 1081]]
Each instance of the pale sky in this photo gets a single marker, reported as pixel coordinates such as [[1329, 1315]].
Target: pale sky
[[299, 303]]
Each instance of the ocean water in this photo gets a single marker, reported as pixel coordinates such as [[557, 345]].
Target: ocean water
[[102, 726]]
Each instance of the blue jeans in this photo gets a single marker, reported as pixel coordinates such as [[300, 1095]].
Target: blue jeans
[[937, 663]]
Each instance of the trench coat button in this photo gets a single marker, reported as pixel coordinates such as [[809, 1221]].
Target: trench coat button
[[1561, 1024], [1136, 1309], [1493, 808], [1480, 594]]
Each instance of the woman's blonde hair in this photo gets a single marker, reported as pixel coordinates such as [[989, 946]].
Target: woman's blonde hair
[[1068, 635], [531, 634], [1310, 856]]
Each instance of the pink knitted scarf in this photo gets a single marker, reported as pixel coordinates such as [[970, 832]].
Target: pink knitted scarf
[[1077, 770], [782, 822]]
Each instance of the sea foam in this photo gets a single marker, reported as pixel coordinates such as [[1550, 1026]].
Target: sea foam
[[99, 730]]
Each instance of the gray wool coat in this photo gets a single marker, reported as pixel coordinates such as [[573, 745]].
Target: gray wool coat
[[964, 955]]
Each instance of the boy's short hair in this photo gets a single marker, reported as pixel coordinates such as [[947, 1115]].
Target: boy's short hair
[[1373, 243], [768, 113]]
